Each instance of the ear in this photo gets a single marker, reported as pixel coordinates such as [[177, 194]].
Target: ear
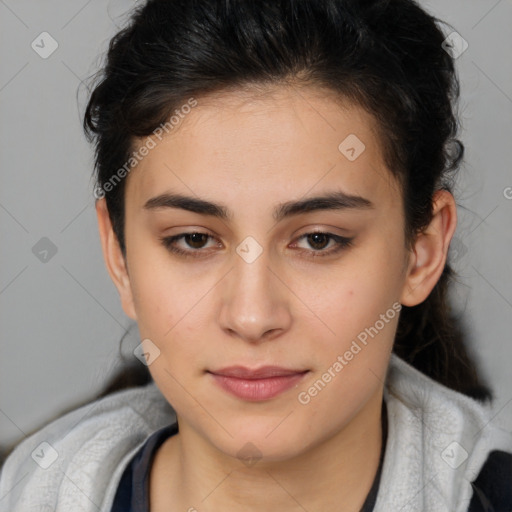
[[114, 259], [428, 257]]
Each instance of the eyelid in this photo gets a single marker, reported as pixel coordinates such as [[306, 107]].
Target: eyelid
[[341, 243]]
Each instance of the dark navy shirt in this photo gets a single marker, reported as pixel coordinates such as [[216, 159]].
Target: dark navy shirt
[[133, 491]]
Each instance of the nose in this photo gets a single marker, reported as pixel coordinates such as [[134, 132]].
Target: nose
[[255, 304]]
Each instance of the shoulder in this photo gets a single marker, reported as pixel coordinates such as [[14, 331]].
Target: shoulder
[[442, 444], [447, 409], [77, 458]]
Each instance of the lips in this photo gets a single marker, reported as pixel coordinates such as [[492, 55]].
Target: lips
[[257, 384], [264, 372]]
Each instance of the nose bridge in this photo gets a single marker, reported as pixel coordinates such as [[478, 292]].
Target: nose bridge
[[253, 303]]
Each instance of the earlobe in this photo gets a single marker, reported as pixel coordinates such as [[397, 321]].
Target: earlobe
[[429, 255], [114, 259]]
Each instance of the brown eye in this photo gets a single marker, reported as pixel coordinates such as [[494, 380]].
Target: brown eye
[[194, 242], [319, 241]]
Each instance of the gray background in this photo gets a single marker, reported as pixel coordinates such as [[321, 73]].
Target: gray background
[[61, 320]]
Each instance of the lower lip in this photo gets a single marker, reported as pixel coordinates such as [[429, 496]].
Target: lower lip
[[257, 389]]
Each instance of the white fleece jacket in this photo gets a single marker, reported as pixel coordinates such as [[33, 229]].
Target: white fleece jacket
[[438, 440]]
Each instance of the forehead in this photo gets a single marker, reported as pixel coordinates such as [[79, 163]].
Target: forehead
[[272, 144]]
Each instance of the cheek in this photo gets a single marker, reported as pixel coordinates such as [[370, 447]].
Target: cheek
[[171, 311], [351, 354], [353, 296], [356, 312], [152, 299], [162, 293]]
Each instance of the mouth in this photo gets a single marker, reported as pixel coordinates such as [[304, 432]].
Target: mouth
[[258, 384]]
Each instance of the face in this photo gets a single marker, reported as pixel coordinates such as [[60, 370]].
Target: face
[[256, 287]]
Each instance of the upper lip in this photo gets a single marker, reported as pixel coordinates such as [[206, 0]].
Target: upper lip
[[263, 372]]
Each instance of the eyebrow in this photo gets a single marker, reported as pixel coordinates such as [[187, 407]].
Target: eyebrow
[[330, 201]]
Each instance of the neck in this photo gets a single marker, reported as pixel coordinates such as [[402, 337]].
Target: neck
[[189, 474]]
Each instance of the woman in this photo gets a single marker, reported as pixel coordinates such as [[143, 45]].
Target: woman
[[274, 206]]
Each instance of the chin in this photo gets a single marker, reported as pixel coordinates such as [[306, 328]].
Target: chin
[[255, 441]]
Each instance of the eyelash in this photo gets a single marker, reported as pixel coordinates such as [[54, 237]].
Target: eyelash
[[341, 243]]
